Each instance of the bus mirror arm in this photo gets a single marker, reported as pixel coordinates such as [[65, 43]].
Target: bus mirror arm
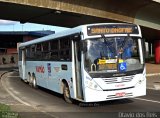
[[93, 67]]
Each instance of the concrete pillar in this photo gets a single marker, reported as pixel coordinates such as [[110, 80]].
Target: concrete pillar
[[157, 51], [151, 50], [147, 49]]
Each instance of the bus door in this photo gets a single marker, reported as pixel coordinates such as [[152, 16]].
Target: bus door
[[24, 64], [77, 65]]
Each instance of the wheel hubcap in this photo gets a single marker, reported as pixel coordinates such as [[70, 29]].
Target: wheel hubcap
[[67, 92], [34, 82]]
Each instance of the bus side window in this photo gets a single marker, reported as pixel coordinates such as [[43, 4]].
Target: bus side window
[[32, 52], [54, 50], [65, 46], [38, 53], [45, 50], [28, 53], [54, 55]]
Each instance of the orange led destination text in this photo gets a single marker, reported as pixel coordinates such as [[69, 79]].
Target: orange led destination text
[[110, 30]]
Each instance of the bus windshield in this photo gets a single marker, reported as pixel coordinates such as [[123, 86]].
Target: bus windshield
[[112, 54]]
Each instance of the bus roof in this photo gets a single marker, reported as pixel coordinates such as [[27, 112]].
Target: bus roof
[[67, 32]]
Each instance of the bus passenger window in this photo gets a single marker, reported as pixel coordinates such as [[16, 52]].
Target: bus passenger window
[[54, 50], [38, 53], [65, 52], [54, 56], [32, 52], [54, 45], [45, 51]]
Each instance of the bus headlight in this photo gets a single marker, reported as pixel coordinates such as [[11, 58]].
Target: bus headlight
[[141, 80], [92, 85]]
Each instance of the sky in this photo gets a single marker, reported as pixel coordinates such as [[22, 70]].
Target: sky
[[7, 25]]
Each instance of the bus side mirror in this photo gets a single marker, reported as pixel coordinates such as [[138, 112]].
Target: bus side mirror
[[83, 46]]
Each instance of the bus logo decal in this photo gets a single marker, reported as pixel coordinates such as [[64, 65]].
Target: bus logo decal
[[57, 69], [122, 67], [40, 69], [49, 69]]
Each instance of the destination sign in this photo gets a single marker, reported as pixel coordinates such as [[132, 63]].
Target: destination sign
[[112, 29], [111, 66]]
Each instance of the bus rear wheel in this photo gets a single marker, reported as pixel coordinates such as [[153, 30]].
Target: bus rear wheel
[[32, 81], [66, 94], [29, 80]]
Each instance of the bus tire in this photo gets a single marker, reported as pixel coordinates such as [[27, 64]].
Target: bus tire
[[22, 80], [66, 94], [30, 79]]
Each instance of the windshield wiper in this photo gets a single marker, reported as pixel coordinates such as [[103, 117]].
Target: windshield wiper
[[107, 43]]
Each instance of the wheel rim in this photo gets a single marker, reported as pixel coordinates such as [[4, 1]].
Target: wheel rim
[[67, 92], [34, 82]]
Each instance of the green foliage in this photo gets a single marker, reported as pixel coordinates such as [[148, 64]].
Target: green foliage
[[5, 112], [4, 108]]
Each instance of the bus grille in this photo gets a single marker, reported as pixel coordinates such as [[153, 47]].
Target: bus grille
[[118, 79]]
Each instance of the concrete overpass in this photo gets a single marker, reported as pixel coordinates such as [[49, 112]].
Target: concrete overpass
[[70, 13]]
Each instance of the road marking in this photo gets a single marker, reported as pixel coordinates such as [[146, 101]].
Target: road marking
[[157, 87], [15, 97], [25, 103], [13, 76], [152, 74], [147, 100], [10, 104], [151, 88]]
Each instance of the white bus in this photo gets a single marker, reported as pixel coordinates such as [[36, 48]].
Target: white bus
[[89, 63]]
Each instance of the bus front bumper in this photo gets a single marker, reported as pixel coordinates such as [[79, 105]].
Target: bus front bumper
[[92, 95]]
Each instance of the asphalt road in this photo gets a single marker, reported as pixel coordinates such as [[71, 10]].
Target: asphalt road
[[52, 104]]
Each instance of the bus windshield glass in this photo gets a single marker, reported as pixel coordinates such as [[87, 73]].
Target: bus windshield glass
[[113, 54]]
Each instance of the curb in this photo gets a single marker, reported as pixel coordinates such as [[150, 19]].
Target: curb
[[3, 73]]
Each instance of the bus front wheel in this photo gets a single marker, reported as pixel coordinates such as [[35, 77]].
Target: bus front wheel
[[66, 94]]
